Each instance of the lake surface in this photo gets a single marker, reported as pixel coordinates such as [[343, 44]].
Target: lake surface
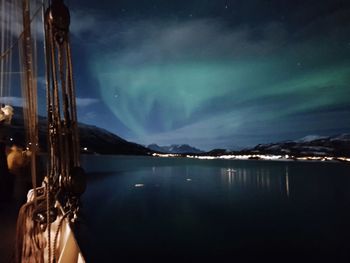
[[149, 209]]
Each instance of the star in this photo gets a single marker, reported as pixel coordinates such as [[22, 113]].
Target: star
[[199, 62]]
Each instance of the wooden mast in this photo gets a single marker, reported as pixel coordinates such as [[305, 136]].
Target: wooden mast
[[29, 90]]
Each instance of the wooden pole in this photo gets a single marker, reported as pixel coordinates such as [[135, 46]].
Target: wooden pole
[[29, 90]]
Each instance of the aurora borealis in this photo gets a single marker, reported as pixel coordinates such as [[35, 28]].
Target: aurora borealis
[[213, 74]]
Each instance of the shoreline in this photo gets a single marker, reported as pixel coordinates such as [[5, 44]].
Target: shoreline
[[260, 157]]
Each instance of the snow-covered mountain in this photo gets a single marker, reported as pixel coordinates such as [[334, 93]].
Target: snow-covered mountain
[[97, 140], [312, 145], [310, 138], [175, 149]]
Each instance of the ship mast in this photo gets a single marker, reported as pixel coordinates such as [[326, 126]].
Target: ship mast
[[29, 89], [65, 180]]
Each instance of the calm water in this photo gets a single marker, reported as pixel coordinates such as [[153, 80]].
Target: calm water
[[193, 210]]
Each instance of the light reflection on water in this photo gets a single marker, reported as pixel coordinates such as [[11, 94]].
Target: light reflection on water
[[190, 206], [287, 182], [258, 179]]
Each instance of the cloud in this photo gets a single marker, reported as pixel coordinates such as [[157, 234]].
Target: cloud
[[13, 101], [88, 117], [203, 81], [83, 22], [155, 40], [85, 102], [172, 68], [41, 80], [213, 130]]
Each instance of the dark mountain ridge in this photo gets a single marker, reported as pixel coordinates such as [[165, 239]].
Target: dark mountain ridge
[[93, 140], [96, 140], [332, 146], [338, 145]]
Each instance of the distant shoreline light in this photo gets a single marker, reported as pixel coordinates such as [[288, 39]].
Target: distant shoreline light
[[257, 157]]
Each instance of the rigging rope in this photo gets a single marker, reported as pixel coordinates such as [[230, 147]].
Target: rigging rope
[[8, 50], [10, 24], [64, 177], [3, 28]]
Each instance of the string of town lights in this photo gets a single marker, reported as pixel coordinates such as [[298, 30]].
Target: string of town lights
[[258, 157]]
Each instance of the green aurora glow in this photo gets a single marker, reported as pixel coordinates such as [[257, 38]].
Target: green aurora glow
[[216, 80]]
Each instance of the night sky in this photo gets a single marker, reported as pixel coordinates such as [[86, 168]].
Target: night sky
[[213, 74]]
